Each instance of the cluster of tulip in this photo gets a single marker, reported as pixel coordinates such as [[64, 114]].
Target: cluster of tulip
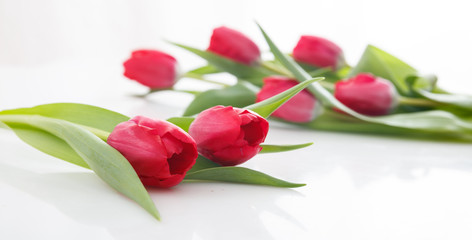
[[381, 94], [161, 153]]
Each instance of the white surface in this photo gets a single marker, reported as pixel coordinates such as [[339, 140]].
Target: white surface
[[358, 187]]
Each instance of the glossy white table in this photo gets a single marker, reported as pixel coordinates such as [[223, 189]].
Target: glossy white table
[[358, 186]]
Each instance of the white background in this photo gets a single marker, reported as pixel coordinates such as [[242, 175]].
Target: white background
[[359, 187]]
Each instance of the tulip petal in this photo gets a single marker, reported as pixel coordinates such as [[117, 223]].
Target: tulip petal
[[234, 45], [235, 155], [151, 68], [216, 128]]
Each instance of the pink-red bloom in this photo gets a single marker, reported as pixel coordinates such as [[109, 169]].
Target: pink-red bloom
[[227, 135], [318, 52], [367, 94], [160, 152], [300, 108], [151, 68], [234, 45]]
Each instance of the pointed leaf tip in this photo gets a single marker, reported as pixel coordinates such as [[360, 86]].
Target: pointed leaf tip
[[267, 107]]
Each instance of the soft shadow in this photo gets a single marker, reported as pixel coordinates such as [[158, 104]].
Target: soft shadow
[[222, 210], [188, 211]]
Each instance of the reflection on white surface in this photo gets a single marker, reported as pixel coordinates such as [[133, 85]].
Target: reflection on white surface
[[375, 188]]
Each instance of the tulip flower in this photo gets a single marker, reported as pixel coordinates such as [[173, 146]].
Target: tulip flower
[[160, 152], [318, 52], [300, 108], [151, 68], [227, 135], [367, 94], [234, 45]]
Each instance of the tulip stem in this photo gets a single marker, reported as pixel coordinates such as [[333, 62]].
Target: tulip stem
[[329, 86], [274, 68], [201, 78], [419, 102]]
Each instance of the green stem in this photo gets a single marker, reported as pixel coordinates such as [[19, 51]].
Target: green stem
[[327, 85], [318, 72], [273, 67], [201, 78], [419, 102]]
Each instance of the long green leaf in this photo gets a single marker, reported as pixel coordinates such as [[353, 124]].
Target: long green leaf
[[86, 115], [384, 65], [460, 101], [334, 121], [104, 160], [239, 95], [100, 121], [207, 69], [282, 148], [47, 143], [253, 74], [239, 175]]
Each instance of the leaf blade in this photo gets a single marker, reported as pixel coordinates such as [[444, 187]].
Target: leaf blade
[[83, 114], [239, 175], [238, 95], [253, 74], [266, 148], [104, 160]]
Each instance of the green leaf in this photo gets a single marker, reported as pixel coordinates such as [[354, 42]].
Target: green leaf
[[427, 82], [86, 115], [98, 120], [182, 122], [457, 100], [253, 74], [103, 159], [239, 175], [384, 65], [282, 148], [334, 121], [425, 87], [207, 170], [268, 106], [47, 143], [239, 95], [203, 163], [208, 69]]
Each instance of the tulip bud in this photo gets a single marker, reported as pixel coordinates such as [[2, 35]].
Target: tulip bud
[[300, 108], [151, 68], [367, 94], [227, 135], [318, 52], [234, 45], [160, 152]]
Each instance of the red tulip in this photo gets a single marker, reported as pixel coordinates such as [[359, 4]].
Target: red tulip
[[318, 52], [300, 108], [151, 68], [160, 152], [234, 45], [227, 135], [367, 94]]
